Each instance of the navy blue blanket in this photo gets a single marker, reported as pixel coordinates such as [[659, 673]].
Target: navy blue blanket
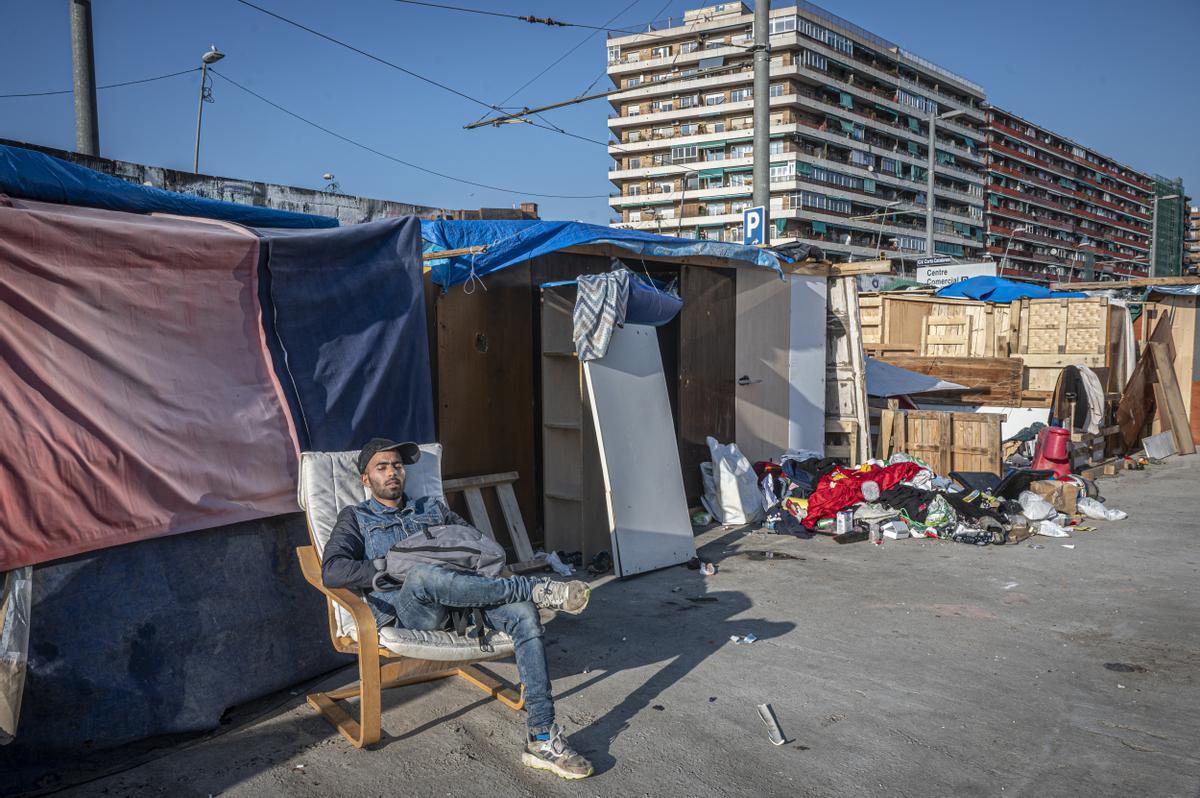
[[345, 317]]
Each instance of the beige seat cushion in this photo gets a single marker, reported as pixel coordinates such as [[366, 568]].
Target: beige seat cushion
[[330, 482]]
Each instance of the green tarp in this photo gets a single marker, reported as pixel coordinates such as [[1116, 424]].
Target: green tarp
[[845, 100], [914, 124], [818, 227]]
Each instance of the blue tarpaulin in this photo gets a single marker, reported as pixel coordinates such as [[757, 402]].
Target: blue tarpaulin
[[344, 311], [998, 289], [33, 175], [512, 242]]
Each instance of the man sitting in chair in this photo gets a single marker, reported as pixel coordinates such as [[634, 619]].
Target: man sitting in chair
[[355, 553]]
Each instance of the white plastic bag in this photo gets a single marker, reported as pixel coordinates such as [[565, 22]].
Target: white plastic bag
[[16, 599], [1034, 507], [1051, 529], [1095, 509], [739, 500]]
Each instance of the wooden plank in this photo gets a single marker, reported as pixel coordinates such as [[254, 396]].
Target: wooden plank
[[1136, 404], [452, 253], [1165, 376], [512, 518], [859, 267], [487, 480], [708, 327], [887, 420], [478, 512], [1134, 282]]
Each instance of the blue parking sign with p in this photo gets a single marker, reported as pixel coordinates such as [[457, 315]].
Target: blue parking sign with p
[[753, 226]]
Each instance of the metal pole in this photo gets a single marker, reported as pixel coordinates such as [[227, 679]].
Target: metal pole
[[83, 63], [761, 194], [200, 117], [929, 186]]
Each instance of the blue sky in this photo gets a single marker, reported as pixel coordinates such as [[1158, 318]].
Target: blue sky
[[1117, 79]]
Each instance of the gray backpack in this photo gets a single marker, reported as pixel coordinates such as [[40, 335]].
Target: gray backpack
[[462, 548]]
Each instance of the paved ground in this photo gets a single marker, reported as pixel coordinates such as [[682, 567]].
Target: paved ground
[[911, 669]]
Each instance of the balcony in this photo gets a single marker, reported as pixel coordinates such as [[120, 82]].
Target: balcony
[[1132, 180], [1028, 178]]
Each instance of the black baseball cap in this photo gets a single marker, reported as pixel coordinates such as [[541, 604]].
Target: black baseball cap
[[409, 452]]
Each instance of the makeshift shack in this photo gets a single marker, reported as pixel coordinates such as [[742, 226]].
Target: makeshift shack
[[743, 359]]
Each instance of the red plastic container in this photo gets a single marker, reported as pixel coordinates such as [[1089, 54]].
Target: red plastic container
[[1053, 451]]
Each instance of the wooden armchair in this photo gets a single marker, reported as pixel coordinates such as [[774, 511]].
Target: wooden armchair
[[387, 657]]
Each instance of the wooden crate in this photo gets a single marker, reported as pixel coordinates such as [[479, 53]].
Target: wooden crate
[[945, 441], [1053, 333], [991, 381]]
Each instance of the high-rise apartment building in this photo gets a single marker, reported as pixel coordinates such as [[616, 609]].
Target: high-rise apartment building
[[1057, 209], [849, 135], [1191, 255], [1170, 226]]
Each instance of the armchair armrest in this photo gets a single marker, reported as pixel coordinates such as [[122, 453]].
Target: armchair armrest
[[364, 620]]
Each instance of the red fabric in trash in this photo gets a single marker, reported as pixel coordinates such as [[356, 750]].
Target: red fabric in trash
[[842, 487], [136, 396]]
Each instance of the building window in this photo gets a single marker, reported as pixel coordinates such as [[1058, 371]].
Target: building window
[[633, 190], [635, 81], [714, 99], [780, 172], [741, 151], [718, 127], [689, 47], [660, 52], [688, 129], [782, 25], [740, 95], [777, 90], [816, 61], [776, 147], [741, 178], [635, 163], [683, 154], [691, 101]]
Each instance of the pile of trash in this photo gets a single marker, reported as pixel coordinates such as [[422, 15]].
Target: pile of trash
[[903, 497]]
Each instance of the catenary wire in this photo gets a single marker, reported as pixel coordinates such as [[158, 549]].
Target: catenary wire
[[564, 56], [105, 86], [390, 157], [557, 23], [372, 56]]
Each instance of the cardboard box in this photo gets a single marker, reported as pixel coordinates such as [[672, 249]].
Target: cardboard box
[[1062, 495]]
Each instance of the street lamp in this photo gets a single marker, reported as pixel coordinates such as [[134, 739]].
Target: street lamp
[[1154, 233], [211, 57], [1004, 257], [933, 117]]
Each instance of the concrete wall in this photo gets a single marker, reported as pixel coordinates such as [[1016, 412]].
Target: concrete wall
[[346, 208]]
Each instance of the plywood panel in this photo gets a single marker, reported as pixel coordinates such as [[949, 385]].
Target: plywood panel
[[761, 363], [707, 370], [485, 381], [647, 510], [847, 425], [806, 364]]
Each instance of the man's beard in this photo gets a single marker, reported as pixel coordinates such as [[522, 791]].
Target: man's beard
[[388, 491]]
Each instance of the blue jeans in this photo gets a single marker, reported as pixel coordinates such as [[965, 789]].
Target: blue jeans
[[428, 592]]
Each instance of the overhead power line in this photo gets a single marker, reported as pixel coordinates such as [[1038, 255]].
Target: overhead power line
[[372, 56], [564, 56], [393, 158], [555, 23], [106, 86]]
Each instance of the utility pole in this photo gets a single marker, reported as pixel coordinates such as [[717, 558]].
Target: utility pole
[[761, 194], [83, 63]]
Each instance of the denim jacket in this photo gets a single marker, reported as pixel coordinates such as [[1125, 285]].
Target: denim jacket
[[382, 526], [364, 532]]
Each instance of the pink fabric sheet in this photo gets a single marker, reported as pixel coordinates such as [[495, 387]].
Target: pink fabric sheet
[[136, 395]]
